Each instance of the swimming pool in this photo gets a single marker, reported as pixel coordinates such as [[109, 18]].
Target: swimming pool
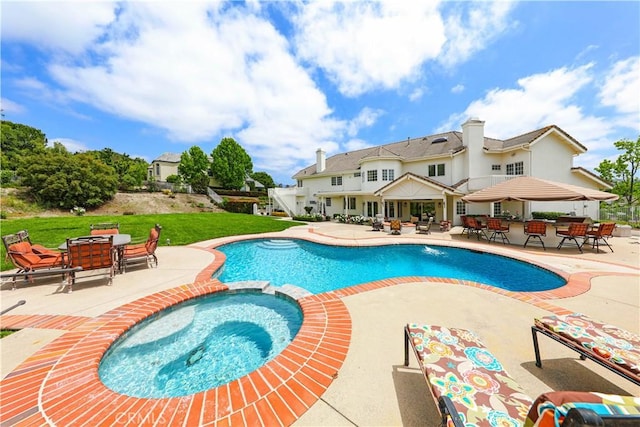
[[200, 344], [322, 268]]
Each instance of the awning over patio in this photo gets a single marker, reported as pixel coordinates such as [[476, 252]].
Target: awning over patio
[[530, 189]]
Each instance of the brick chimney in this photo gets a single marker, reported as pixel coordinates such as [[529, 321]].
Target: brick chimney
[[321, 160]]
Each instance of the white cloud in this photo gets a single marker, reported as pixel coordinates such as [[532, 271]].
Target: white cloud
[[417, 94], [8, 106], [366, 118], [621, 91], [356, 144], [471, 27], [68, 26], [202, 73], [71, 145], [369, 45], [459, 88]]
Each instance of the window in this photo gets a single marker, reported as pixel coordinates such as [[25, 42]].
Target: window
[[158, 169], [356, 174], [372, 175], [352, 202], [496, 167], [461, 208], [497, 208], [299, 183], [387, 174], [515, 168], [336, 180], [436, 170], [391, 212], [327, 202]]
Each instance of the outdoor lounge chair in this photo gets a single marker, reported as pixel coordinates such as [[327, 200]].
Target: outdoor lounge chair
[[91, 253], [615, 349], [395, 226], [105, 228], [424, 227], [378, 222], [142, 252], [30, 258], [535, 229], [497, 228], [575, 231], [471, 387], [601, 234]]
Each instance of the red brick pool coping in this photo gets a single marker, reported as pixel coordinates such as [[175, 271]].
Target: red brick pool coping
[[59, 384]]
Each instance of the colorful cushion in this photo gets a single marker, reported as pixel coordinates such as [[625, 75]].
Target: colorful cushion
[[615, 346], [459, 366], [549, 409]]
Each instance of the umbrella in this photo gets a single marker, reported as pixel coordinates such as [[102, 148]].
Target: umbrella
[[530, 189]]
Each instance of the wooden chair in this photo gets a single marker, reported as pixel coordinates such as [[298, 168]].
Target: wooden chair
[[143, 252], [497, 227], [105, 228], [91, 253], [576, 230], [535, 229], [601, 234]]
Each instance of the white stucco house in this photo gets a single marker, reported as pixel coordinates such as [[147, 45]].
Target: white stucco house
[[429, 175]]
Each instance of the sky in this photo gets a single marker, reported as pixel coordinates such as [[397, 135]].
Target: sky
[[284, 78]]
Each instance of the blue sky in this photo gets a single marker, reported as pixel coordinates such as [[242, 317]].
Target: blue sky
[[284, 78]]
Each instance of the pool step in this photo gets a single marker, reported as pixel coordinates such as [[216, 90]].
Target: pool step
[[278, 244]]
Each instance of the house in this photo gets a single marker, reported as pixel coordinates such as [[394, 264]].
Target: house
[[167, 164], [427, 176]]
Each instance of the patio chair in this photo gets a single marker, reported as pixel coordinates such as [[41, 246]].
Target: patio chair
[[601, 234], [92, 253], [142, 252], [609, 346], [476, 228], [395, 226], [424, 227], [465, 224], [497, 227], [378, 222], [576, 230], [445, 225], [105, 228], [537, 230], [31, 258]]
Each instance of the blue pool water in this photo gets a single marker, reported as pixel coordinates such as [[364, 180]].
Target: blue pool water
[[200, 344], [321, 268]]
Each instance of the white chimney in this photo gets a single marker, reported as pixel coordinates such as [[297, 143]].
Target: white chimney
[[321, 160], [473, 140]]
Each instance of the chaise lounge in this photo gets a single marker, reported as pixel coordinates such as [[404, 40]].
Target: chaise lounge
[[609, 346], [471, 387]]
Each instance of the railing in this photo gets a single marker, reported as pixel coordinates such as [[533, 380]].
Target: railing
[[214, 196], [619, 213], [481, 182]]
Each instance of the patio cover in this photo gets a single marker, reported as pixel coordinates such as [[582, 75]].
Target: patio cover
[[530, 189]]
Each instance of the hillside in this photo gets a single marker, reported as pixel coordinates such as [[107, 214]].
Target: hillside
[[136, 203]]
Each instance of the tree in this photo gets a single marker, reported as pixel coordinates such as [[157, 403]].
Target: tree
[[18, 140], [264, 179], [193, 168], [624, 170], [231, 164], [131, 172], [57, 178]]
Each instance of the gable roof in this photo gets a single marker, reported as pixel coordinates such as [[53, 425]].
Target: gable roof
[[432, 146], [421, 178], [169, 158]]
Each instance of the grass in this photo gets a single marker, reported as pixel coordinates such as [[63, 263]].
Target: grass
[[180, 229]]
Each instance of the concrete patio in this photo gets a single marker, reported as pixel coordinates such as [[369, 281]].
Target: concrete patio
[[372, 387]]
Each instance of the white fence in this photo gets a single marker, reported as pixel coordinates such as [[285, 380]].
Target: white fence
[[620, 213]]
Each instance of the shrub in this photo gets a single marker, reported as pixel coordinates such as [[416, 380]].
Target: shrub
[[279, 213], [309, 218], [552, 216]]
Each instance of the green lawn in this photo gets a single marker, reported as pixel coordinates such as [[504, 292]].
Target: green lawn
[[180, 229]]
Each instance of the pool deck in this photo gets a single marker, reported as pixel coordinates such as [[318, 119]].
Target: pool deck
[[345, 366]]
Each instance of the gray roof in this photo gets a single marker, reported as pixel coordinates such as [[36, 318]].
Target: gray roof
[[169, 157], [421, 148]]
